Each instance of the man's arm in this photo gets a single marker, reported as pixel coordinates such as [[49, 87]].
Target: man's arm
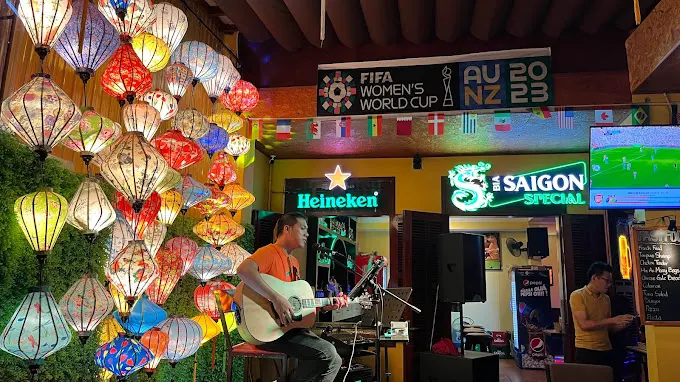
[[586, 324]]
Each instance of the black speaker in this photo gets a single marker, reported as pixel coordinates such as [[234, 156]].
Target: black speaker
[[537, 242], [461, 267]]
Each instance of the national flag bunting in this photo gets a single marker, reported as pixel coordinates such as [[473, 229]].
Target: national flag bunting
[[282, 129], [343, 127], [542, 112], [675, 114], [604, 117], [404, 126], [565, 117], [469, 123], [639, 115], [374, 125], [502, 120], [435, 123], [255, 127], [313, 129]]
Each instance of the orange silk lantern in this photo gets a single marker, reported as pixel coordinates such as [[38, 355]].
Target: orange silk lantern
[[239, 197], [185, 248], [157, 341], [171, 204], [125, 77], [214, 203], [139, 220], [178, 150], [170, 267], [219, 230], [223, 170]]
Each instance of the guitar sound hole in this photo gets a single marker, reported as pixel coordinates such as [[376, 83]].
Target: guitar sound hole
[[296, 303]]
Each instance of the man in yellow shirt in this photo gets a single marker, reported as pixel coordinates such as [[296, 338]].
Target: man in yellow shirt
[[591, 310]]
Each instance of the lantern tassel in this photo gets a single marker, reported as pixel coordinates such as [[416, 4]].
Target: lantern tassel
[[636, 10], [195, 365], [83, 19], [214, 341]]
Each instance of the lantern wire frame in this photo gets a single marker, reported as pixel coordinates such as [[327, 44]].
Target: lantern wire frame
[[209, 263], [185, 338], [90, 210], [199, 57], [93, 134]]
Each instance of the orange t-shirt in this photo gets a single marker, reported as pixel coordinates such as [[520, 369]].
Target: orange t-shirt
[[274, 261]]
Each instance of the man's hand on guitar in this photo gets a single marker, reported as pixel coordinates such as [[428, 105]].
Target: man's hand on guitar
[[283, 309], [339, 302]]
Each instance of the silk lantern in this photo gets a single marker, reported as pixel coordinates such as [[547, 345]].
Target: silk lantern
[[134, 168], [41, 216], [125, 76], [27, 334], [121, 235], [178, 77], [204, 297], [228, 120], [109, 329], [100, 40], [242, 98], [120, 6], [153, 52], [171, 204], [185, 338], [40, 114], [170, 26], [209, 263], [90, 211], [139, 221], [44, 21], [119, 300], [222, 79], [165, 103], [219, 230], [186, 248], [209, 327], [214, 203], [238, 145], [193, 192], [178, 151], [85, 305], [133, 270], [170, 267], [144, 315], [191, 123], [215, 140], [171, 180], [237, 254], [200, 58], [154, 236], [142, 117], [156, 341], [239, 197], [222, 170], [92, 134], [122, 356], [137, 17]]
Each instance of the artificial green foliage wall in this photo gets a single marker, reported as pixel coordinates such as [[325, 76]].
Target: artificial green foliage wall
[[21, 173]]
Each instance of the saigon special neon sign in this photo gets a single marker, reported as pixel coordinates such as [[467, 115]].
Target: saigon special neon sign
[[558, 185], [307, 201]]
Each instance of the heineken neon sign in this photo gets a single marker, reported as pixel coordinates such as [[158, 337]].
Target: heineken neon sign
[[558, 185], [348, 201]]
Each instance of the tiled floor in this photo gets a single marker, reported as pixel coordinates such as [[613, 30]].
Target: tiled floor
[[509, 372]]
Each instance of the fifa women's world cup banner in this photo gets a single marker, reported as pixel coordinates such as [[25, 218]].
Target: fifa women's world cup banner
[[489, 80]]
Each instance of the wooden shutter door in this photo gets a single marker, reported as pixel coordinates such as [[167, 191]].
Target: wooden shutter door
[[264, 223]]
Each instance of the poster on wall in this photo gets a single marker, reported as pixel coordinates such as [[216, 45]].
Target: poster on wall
[[488, 80], [492, 251]]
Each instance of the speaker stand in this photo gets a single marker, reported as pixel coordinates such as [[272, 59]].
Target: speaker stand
[[457, 307]]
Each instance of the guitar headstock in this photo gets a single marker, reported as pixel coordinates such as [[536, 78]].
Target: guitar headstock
[[365, 300]]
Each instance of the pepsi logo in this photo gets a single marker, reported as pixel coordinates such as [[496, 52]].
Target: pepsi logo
[[526, 282], [537, 345]]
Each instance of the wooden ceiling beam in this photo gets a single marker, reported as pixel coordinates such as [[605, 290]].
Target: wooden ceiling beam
[[600, 13], [275, 15], [525, 16], [382, 20], [307, 16], [488, 18], [245, 20], [561, 14], [452, 18], [348, 21], [416, 19]]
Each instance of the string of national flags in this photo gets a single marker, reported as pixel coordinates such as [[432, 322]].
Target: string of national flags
[[502, 122]]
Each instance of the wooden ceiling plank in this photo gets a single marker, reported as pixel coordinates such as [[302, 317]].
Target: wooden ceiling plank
[[488, 18], [561, 14], [416, 18], [525, 16], [307, 15], [382, 20], [348, 21], [600, 13], [277, 18], [452, 18], [245, 19]]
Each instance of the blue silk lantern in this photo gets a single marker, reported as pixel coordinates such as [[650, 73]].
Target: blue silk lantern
[[216, 140], [122, 356], [120, 6], [193, 192], [143, 316], [200, 58]]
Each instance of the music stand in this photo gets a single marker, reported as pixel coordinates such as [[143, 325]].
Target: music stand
[[393, 307]]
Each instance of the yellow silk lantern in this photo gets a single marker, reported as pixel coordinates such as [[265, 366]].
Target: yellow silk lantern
[[41, 216], [219, 230], [120, 303], [230, 319], [210, 328], [171, 205], [239, 197], [153, 52], [109, 329], [228, 120]]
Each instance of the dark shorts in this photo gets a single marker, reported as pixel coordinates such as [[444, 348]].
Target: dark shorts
[[595, 357]]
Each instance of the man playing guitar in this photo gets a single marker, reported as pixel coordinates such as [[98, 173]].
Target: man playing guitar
[[319, 360]]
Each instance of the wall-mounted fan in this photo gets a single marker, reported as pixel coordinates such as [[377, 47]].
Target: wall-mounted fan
[[515, 247]]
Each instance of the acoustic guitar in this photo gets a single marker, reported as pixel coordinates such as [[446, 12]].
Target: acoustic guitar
[[259, 323]]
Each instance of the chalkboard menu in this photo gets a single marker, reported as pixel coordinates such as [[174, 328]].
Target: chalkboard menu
[[657, 269]]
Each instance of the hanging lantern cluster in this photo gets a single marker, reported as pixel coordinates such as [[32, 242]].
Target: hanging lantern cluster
[[44, 21], [193, 192], [242, 98], [171, 205], [191, 123], [185, 248], [238, 145], [85, 305], [125, 77], [185, 338], [170, 26], [178, 151], [219, 230], [200, 58], [90, 211], [122, 356], [209, 263], [228, 120], [222, 170], [142, 117], [170, 268], [215, 140], [239, 197], [236, 254], [165, 103], [153, 52], [92, 135]]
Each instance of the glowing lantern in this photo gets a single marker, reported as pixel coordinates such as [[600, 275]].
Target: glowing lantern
[[85, 305], [122, 356], [109, 329], [119, 300], [142, 117], [44, 21], [143, 316], [179, 151], [191, 123], [104, 375], [214, 203], [186, 248], [125, 76], [204, 297], [36, 330], [219, 230], [222, 79], [121, 235], [230, 319], [226, 299], [41, 216], [133, 270], [154, 236], [170, 267], [40, 114], [156, 341], [142, 219], [200, 58], [193, 192], [223, 170], [161, 101], [239, 197], [208, 326], [185, 338], [171, 180], [90, 211], [209, 263], [152, 51], [170, 26], [242, 98], [137, 16], [92, 135], [171, 204], [216, 140], [134, 168], [238, 145], [100, 40], [237, 254], [228, 120], [178, 76]]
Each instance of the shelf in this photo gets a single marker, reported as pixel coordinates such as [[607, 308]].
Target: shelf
[[343, 238]]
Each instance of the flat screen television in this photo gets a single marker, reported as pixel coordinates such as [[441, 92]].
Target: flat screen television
[[634, 167]]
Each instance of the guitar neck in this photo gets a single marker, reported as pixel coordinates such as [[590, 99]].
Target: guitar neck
[[317, 302]]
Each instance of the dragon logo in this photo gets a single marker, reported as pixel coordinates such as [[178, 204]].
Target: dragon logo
[[469, 181]]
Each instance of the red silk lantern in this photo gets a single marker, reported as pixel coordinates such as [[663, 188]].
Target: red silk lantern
[[178, 150], [204, 297], [242, 98], [170, 267], [219, 230], [139, 220], [214, 203], [125, 77], [186, 248], [223, 170]]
